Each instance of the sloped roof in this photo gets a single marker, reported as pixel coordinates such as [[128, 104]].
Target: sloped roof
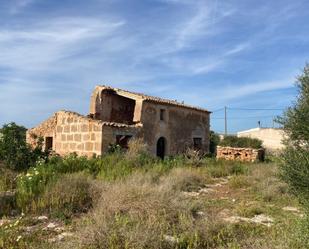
[[104, 123], [136, 96]]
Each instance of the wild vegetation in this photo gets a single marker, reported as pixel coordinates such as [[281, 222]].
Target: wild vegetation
[[241, 142], [132, 200], [295, 165]]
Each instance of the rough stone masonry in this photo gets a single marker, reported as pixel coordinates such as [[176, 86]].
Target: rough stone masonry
[[116, 116], [241, 154]]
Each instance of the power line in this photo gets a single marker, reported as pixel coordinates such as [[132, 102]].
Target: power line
[[246, 117], [217, 110], [256, 109]]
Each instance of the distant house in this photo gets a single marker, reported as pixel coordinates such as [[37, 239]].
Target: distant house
[[271, 137], [116, 116]]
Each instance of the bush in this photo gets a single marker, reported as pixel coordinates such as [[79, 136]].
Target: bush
[[14, 151], [241, 142], [295, 121], [31, 184], [295, 171], [214, 140]]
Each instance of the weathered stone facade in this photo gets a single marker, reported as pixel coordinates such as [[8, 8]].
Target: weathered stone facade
[[241, 154], [167, 127]]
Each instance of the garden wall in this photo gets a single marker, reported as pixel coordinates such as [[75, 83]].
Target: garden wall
[[241, 154]]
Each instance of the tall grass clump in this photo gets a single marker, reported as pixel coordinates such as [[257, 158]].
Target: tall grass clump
[[223, 168], [69, 195]]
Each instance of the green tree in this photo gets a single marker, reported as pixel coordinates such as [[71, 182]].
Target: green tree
[[15, 153], [295, 122], [213, 143]]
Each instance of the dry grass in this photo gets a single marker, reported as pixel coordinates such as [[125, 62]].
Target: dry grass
[[136, 148], [173, 205], [141, 212]]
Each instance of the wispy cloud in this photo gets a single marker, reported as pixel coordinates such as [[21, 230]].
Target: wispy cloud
[[18, 5], [37, 47], [204, 52]]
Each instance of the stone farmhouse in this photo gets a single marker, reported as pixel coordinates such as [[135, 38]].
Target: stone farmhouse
[[116, 116]]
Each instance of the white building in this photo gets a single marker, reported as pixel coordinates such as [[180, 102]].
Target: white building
[[271, 137]]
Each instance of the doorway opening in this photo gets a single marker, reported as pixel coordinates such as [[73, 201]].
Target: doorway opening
[[48, 143], [161, 147]]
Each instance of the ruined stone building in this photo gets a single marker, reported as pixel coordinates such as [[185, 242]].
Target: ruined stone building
[[116, 116]]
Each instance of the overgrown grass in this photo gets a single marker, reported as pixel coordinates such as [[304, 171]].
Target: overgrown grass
[[137, 201]]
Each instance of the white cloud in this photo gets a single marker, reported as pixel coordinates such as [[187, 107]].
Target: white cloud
[[41, 45], [18, 5]]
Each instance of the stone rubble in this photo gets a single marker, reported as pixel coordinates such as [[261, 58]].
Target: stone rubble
[[171, 239], [257, 219], [241, 154]]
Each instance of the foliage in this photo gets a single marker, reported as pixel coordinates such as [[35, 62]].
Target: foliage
[[295, 122], [295, 171], [214, 140], [296, 118], [241, 142], [14, 151]]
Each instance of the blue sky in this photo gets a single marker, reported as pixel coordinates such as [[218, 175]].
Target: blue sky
[[240, 54]]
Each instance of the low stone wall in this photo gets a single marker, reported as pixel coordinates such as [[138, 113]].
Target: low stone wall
[[241, 154]]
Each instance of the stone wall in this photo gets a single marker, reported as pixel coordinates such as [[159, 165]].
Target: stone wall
[[179, 127], [241, 154], [45, 129], [107, 106], [72, 132], [76, 133], [110, 134]]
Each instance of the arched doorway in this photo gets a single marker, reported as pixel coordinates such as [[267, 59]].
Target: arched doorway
[[161, 147]]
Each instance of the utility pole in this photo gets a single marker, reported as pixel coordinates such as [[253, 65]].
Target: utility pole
[[225, 120]]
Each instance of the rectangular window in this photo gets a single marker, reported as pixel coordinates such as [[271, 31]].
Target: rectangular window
[[197, 143], [48, 143], [162, 114], [123, 141]]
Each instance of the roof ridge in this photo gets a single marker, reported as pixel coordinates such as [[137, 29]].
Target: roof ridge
[[155, 98]]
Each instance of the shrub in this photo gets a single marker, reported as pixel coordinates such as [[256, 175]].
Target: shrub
[[295, 121], [193, 157], [241, 142], [31, 184], [14, 151], [137, 148], [295, 171], [214, 140]]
